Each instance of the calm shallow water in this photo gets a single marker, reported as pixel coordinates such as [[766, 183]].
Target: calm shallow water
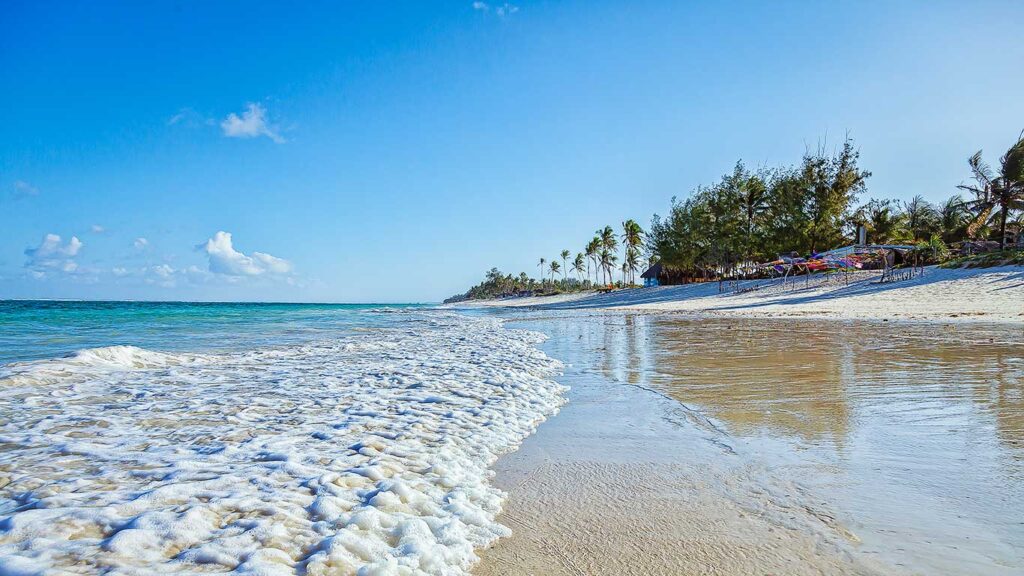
[[912, 435]]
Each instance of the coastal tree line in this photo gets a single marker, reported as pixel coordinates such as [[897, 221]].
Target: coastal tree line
[[754, 215]]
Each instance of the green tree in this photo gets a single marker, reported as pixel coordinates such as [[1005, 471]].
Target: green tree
[[554, 270], [996, 193], [608, 243], [578, 265], [921, 218], [632, 240], [954, 218], [884, 222], [832, 184], [591, 251]]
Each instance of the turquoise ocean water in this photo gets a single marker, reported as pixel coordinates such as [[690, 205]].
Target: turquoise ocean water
[[33, 330]]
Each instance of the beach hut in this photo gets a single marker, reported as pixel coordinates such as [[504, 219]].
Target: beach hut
[[650, 275]]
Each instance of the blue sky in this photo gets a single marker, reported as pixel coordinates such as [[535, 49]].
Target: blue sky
[[395, 151]]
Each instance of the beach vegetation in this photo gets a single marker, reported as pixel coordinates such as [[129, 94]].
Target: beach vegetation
[[749, 216]]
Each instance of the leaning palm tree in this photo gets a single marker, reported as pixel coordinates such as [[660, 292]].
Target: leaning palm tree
[[554, 270], [578, 265], [1003, 190]]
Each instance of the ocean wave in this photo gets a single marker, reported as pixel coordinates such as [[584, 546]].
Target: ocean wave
[[369, 453], [89, 362]]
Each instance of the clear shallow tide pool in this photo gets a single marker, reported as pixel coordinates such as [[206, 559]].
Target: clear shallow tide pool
[[909, 436]]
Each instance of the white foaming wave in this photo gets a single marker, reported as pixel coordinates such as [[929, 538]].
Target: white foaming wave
[[84, 364], [365, 455]]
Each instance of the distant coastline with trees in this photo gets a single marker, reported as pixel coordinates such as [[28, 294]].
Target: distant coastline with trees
[[751, 216]]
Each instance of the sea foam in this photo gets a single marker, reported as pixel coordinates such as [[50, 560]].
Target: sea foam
[[368, 454]]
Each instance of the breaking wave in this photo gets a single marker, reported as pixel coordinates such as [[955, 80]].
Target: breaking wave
[[365, 454]]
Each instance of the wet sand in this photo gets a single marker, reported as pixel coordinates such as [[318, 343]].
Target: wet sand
[[687, 449]]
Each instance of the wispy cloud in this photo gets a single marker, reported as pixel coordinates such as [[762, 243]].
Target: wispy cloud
[[53, 256], [23, 189], [224, 259], [140, 244], [183, 114], [97, 229], [505, 9], [252, 123]]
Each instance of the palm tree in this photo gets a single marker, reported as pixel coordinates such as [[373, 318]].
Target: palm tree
[[578, 265], [921, 218], [631, 264], [608, 243], [885, 223], [541, 265], [591, 251], [953, 219], [607, 259], [1003, 190], [632, 238], [565, 265], [554, 270]]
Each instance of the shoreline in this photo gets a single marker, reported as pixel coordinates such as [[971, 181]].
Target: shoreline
[[634, 478], [994, 295], [627, 480]]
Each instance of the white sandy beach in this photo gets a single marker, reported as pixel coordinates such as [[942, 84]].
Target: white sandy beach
[[989, 294]]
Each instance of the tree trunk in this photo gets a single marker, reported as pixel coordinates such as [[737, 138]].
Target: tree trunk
[[1002, 227]]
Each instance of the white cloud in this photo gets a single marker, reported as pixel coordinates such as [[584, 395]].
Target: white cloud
[[251, 124], [163, 270], [505, 9], [119, 271], [53, 256], [224, 259], [23, 189], [140, 243], [97, 229]]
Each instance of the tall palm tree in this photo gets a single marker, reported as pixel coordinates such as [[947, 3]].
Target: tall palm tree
[[554, 270], [578, 265], [592, 249], [541, 264], [632, 238], [608, 243], [607, 259], [565, 264], [631, 264], [1003, 190]]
